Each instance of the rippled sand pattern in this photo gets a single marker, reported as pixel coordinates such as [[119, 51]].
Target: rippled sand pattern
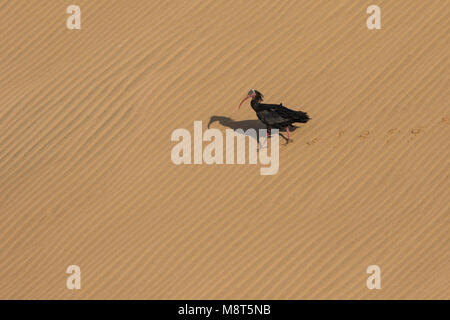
[[86, 176]]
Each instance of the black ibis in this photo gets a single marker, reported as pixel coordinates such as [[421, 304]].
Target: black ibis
[[274, 116]]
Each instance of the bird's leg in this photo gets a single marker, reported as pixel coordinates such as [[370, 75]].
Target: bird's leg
[[288, 134], [268, 132], [260, 145]]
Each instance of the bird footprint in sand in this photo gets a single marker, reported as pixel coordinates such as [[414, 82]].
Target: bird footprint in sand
[[416, 131], [313, 141], [390, 134], [392, 131], [364, 135]]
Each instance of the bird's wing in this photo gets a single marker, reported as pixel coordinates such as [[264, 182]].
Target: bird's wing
[[271, 116], [284, 112]]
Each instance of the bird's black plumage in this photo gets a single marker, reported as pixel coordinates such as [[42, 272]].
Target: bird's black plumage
[[275, 116]]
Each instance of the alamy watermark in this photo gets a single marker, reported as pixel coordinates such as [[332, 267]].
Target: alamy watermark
[[73, 22], [374, 281], [222, 151], [74, 280]]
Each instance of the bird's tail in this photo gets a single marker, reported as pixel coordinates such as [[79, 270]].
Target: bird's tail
[[301, 117]]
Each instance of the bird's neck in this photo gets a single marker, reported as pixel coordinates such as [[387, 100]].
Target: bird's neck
[[255, 103]]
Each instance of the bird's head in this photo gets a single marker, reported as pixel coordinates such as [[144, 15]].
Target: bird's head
[[254, 94]]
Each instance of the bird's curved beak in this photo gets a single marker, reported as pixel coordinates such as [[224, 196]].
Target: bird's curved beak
[[243, 101]]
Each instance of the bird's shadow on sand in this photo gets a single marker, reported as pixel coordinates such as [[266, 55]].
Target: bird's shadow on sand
[[244, 125]]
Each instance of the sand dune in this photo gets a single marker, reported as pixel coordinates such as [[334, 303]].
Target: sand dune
[[86, 175]]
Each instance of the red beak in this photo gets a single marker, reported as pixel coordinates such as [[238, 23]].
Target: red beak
[[243, 101]]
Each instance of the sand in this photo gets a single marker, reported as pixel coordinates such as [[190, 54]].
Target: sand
[[87, 179]]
